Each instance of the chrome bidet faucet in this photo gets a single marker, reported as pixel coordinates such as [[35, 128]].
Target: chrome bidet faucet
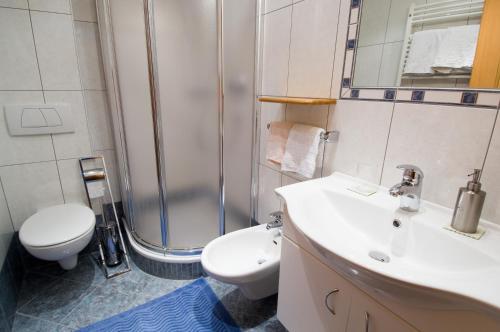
[[410, 188], [277, 220]]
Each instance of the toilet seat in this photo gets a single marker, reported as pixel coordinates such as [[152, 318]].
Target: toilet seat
[[56, 225]]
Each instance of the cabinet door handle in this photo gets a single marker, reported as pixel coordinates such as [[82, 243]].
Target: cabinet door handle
[[332, 310], [367, 321]]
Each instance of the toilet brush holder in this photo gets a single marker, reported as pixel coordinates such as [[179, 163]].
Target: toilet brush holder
[[112, 249], [108, 238]]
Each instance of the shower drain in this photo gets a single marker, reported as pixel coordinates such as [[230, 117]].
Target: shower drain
[[379, 256]]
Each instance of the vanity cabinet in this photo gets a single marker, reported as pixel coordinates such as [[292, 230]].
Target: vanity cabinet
[[313, 297], [367, 315], [310, 289]]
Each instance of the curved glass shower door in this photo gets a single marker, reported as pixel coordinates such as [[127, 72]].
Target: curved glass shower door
[[185, 83], [186, 37]]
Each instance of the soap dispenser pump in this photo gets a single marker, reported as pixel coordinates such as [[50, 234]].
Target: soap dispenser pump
[[469, 205]]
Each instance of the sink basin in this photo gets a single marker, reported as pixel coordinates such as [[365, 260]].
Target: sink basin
[[405, 255]]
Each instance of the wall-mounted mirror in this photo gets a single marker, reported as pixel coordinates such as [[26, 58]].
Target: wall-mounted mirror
[[428, 43]]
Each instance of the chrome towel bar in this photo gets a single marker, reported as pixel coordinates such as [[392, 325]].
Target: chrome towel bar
[[326, 136]]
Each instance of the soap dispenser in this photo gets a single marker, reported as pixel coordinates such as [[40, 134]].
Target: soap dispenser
[[469, 205]]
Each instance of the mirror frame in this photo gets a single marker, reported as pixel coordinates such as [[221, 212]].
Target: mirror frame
[[487, 98]]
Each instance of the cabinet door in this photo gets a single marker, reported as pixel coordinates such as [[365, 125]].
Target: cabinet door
[[366, 315], [311, 296]]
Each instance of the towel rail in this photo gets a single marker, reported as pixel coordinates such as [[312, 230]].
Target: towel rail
[[326, 136], [436, 12]]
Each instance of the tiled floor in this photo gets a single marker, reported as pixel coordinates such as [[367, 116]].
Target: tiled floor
[[52, 299]]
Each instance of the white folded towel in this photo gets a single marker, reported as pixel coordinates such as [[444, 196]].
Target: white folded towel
[[276, 141], [301, 150], [457, 49], [423, 50]]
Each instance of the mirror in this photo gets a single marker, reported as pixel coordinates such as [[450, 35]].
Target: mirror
[[428, 43]]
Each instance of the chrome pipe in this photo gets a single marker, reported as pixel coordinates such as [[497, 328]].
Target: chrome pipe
[[220, 73], [154, 91]]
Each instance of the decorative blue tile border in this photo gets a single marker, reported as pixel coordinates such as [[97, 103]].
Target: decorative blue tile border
[[390, 94], [351, 44], [417, 95], [469, 98], [465, 97]]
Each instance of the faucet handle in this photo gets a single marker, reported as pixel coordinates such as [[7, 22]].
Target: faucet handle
[[411, 172]]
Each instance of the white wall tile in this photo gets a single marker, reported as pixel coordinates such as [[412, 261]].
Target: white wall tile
[[271, 5], [491, 179], [84, 10], [269, 112], [389, 65], [56, 6], [367, 67], [76, 144], [374, 22], [398, 16], [22, 149], [99, 120], [113, 173], [268, 200], [23, 4], [364, 128], [6, 229], [312, 48], [316, 116], [29, 188], [18, 67], [446, 142], [89, 56], [55, 44], [276, 50], [71, 181]]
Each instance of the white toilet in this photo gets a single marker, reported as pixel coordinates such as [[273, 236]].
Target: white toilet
[[248, 258], [58, 233]]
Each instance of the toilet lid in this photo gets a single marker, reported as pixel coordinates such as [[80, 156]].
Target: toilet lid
[[56, 225]]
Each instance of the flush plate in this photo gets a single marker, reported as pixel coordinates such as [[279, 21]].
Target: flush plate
[[39, 119]]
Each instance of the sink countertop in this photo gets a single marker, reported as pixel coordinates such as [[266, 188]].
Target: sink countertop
[[424, 257]]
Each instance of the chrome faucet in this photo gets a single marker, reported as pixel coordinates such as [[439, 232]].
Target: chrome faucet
[[277, 221], [410, 188]]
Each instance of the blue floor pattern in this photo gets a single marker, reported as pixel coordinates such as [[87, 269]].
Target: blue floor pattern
[[55, 300]]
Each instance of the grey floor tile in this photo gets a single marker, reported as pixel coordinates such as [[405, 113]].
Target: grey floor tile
[[24, 323], [101, 303], [33, 285], [247, 313], [55, 302], [220, 289], [87, 271]]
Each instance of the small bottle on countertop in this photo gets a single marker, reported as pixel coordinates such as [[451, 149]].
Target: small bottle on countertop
[[469, 205]]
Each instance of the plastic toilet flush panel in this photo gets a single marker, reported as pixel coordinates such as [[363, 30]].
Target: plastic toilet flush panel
[[42, 119]]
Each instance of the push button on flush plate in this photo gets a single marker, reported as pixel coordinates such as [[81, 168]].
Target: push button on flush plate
[[39, 119]]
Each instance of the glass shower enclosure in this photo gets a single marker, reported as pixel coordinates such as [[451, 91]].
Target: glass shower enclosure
[[181, 85]]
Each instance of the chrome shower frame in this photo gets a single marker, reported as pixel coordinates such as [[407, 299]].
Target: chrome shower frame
[[115, 101]]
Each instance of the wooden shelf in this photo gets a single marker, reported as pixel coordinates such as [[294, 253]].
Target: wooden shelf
[[299, 101]]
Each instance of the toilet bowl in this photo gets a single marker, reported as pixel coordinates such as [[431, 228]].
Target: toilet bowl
[[58, 233], [248, 258]]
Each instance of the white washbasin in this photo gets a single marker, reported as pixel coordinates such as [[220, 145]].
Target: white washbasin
[[427, 264]]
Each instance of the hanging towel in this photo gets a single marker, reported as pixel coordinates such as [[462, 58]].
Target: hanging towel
[[276, 141], [301, 150], [423, 51], [457, 50]]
